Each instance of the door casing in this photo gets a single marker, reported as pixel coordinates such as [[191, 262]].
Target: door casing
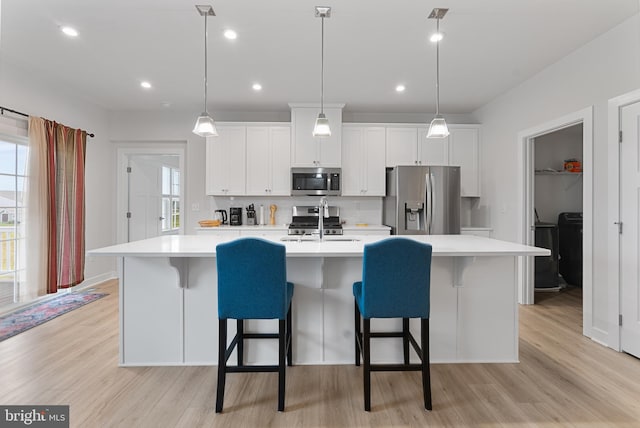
[[134, 148], [526, 207]]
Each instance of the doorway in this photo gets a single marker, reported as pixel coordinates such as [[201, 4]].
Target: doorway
[[558, 189], [150, 192], [527, 220]]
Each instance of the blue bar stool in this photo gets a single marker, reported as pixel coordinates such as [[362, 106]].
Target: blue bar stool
[[396, 276], [252, 284]]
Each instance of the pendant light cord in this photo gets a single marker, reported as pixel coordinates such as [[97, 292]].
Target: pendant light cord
[[322, 68], [206, 36], [437, 68]]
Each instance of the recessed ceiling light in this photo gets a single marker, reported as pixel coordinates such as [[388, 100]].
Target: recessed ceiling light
[[145, 84], [257, 87], [436, 37], [400, 88], [230, 34], [71, 32]]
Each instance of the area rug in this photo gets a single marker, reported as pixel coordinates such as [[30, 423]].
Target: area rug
[[32, 316]]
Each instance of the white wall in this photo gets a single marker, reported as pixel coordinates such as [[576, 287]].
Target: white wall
[[52, 100], [138, 128], [557, 193], [604, 68]]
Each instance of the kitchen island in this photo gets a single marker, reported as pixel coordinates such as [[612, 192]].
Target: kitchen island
[[168, 300]]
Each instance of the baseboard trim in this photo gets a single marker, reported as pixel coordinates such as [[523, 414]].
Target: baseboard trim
[[87, 283], [95, 280]]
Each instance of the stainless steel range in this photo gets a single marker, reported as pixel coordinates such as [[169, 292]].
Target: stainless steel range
[[304, 221]]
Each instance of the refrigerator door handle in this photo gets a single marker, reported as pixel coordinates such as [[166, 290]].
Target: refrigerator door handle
[[428, 199]]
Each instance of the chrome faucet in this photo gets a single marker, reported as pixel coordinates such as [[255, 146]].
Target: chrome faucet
[[323, 211]]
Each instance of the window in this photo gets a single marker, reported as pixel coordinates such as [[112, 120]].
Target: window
[[13, 164], [170, 199]]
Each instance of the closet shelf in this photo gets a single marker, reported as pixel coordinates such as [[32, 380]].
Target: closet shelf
[[545, 172]]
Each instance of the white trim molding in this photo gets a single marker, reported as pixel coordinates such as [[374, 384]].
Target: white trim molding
[[526, 220], [125, 149]]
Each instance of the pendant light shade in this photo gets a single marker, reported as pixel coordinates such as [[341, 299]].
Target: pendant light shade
[[205, 125], [322, 128], [438, 127]]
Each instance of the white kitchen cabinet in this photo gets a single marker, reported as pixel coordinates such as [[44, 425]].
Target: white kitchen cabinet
[[432, 151], [310, 151], [268, 160], [225, 161], [464, 152], [363, 161], [409, 145], [401, 146]]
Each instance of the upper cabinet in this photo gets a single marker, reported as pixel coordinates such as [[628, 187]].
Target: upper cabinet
[[225, 165], [307, 150], [268, 160], [363, 160], [409, 145], [464, 151]]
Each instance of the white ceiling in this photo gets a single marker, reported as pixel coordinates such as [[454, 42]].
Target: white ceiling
[[490, 46]]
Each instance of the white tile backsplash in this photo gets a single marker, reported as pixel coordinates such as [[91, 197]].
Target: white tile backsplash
[[352, 209]]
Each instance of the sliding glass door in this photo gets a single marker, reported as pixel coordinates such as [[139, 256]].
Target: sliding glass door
[[13, 162]]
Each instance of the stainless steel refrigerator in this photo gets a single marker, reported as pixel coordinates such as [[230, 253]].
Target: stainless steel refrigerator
[[422, 200]]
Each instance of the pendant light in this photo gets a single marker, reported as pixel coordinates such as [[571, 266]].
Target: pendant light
[[322, 129], [205, 125], [438, 127]]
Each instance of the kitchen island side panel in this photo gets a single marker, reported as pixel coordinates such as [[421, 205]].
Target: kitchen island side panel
[[163, 324]]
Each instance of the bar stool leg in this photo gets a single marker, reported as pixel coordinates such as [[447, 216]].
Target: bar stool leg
[[405, 339], [426, 364], [289, 340], [240, 333], [367, 364], [282, 331], [222, 361]]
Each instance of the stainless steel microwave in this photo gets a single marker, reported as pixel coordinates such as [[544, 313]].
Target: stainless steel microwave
[[315, 181]]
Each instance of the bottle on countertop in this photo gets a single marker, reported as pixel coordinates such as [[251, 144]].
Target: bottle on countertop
[[261, 221]]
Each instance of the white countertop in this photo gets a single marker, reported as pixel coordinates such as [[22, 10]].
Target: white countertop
[[205, 246]]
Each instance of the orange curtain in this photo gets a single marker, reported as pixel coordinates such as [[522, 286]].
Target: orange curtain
[[55, 205]]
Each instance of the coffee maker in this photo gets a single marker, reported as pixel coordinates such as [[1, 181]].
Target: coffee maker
[[251, 215], [235, 216]]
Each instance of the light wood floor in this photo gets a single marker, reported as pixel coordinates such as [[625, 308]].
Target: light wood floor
[[563, 379]]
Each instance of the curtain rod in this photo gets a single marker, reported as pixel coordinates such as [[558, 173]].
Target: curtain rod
[[2, 110]]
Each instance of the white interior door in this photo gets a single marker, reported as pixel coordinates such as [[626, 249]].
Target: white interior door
[[630, 238], [145, 197]]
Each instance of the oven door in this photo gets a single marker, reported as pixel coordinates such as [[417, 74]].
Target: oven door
[[315, 181]]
